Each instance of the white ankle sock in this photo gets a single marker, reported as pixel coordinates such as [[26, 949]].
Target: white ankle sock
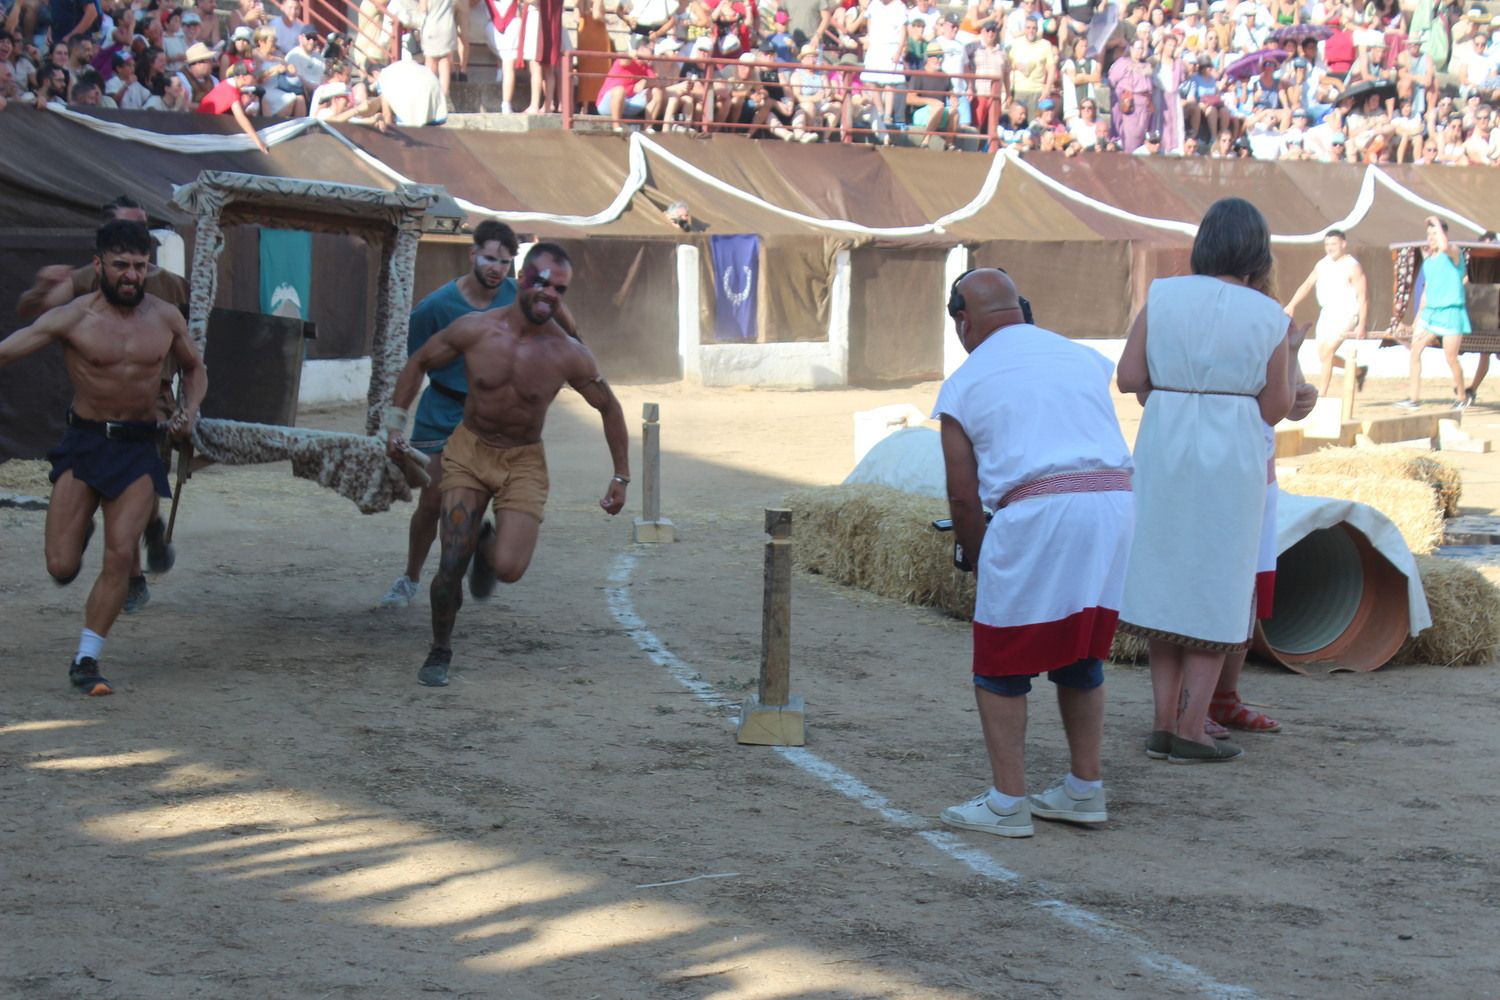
[[1081, 788], [89, 644], [1002, 803]]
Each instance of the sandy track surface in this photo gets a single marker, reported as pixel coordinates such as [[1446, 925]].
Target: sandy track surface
[[272, 807]]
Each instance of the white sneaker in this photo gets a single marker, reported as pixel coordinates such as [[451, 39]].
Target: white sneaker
[[400, 594], [978, 814], [1059, 803]]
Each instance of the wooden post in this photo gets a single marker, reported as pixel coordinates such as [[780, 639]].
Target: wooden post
[[774, 716], [1351, 378], [651, 526]]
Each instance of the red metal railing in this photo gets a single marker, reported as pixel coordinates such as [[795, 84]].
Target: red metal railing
[[841, 81]]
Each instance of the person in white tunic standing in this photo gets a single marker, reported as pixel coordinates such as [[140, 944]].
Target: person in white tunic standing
[[1029, 432], [1209, 355], [1343, 302]]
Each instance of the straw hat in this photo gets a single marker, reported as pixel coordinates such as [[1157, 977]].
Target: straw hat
[[198, 52]]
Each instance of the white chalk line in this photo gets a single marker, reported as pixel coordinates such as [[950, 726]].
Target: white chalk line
[[846, 784]]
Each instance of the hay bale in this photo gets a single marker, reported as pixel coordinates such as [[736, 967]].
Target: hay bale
[[1130, 649], [1411, 506], [1391, 462], [881, 540], [1465, 610], [29, 478]]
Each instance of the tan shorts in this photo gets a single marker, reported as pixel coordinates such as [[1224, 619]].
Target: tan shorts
[[516, 478]]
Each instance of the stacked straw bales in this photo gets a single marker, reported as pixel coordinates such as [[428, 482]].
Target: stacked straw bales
[[1391, 462], [1411, 506], [1465, 610], [881, 540]]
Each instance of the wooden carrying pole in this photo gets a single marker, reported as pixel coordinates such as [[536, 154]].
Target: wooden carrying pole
[[774, 716], [651, 526]]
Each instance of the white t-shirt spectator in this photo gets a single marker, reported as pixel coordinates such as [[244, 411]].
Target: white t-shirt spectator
[[414, 94], [1265, 142], [132, 97], [1318, 141], [1085, 132], [326, 100], [957, 59], [886, 33], [309, 66], [1481, 67]]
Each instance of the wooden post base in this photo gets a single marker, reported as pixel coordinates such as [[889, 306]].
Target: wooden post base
[[653, 532], [772, 725]]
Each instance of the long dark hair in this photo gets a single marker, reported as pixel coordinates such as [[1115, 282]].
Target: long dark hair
[[1233, 239]]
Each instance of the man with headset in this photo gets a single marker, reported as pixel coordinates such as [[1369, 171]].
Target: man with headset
[[1029, 432]]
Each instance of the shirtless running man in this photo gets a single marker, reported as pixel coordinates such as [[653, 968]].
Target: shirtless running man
[[1343, 301], [517, 361], [58, 284], [114, 342]]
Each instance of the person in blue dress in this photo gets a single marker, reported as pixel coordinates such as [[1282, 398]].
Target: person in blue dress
[[1442, 312]]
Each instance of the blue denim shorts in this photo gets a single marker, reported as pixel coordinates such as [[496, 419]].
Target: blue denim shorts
[[1085, 675]]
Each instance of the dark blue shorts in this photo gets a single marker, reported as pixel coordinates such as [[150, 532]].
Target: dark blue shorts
[[1085, 675], [107, 466]]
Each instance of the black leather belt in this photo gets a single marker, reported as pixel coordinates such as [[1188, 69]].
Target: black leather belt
[[117, 430], [443, 390]]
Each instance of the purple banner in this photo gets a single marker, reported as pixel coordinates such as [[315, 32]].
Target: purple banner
[[736, 266]]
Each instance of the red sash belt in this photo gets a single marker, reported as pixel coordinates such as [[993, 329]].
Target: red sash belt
[[1097, 481]]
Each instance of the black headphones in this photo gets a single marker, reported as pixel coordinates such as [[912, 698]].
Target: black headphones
[[956, 303]]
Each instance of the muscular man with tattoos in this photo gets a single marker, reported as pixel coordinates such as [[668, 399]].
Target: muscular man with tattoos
[[517, 361]]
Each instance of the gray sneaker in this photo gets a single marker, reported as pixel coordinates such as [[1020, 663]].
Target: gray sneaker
[[978, 814], [1059, 803], [137, 595], [400, 594]]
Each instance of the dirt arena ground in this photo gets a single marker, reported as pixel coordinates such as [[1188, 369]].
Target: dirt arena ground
[[271, 806]]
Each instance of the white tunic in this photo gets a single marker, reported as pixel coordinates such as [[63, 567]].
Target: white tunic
[[1337, 298], [1200, 459], [1051, 570]]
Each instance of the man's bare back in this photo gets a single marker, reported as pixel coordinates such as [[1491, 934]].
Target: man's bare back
[[514, 375]]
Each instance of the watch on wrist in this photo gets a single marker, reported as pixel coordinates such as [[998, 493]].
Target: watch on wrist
[[622, 480]]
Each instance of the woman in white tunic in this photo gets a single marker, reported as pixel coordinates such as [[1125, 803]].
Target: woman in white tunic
[[1209, 355]]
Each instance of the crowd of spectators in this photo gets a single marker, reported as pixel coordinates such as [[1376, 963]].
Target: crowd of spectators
[[151, 55], [1325, 80]]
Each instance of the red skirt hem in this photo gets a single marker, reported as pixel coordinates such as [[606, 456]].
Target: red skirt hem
[[1015, 650], [1265, 594]]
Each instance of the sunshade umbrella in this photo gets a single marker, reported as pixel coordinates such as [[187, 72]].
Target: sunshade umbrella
[[1357, 93], [1300, 33], [1245, 67]]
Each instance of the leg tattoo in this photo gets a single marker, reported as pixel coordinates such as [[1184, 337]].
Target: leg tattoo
[[458, 531]]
